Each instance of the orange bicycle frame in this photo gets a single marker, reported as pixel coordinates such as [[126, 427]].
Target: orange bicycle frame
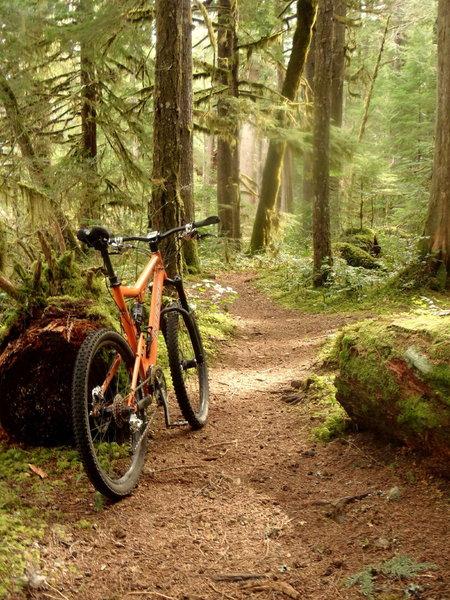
[[143, 343]]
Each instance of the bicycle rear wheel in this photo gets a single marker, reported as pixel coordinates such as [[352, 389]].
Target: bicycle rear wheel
[[188, 367], [111, 440]]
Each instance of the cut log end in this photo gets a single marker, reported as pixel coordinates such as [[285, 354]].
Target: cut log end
[[36, 370]]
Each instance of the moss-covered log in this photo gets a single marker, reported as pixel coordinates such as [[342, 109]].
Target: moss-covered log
[[36, 365], [394, 378], [364, 238], [355, 256]]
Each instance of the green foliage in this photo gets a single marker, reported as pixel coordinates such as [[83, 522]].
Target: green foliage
[[392, 165], [398, 567]]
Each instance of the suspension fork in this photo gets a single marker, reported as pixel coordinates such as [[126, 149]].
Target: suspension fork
[[177, 283]]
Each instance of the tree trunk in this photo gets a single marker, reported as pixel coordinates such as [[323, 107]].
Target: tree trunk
[[228, 194], [90, 206], [190, 253], [288, 184], [35, 406], [437, 228], [338, 67], [307, 184], [306, 13], [337, 98], [164, 210], [321, 142]]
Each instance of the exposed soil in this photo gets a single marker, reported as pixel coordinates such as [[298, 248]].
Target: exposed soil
[[253, 495]]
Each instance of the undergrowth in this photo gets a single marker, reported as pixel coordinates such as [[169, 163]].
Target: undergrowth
[[397, 568], [285, 273]]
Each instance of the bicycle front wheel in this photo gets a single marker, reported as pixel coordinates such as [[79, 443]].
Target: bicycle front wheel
[[111, 441], [188, 369]]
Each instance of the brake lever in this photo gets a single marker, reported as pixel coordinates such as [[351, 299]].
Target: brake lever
[[194, 234], [119, 247]]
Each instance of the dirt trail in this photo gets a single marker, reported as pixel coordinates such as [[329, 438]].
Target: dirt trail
[[252, 494]]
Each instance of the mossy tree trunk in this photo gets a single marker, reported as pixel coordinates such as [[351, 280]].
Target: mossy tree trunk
[[306, 14], [190, 253], [307, 183], [90, 206], [321, 143], [337, 97], [437, 229], [228, 192], [164, 210]]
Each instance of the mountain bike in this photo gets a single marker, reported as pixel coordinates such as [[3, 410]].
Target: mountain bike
[[118, 384]]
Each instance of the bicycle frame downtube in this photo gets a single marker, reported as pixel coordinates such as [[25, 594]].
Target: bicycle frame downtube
[[138, 340]]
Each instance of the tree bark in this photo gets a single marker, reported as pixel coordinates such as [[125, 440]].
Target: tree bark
[[164, 210], [90, 207], [437, 228], [307, 184], [288, 184], [306, 13], [321, 142], [337, 98], [190, 253], [228, 194], [338, 67]]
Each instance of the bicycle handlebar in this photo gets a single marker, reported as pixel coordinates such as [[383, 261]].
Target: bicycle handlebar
[[100, 238]]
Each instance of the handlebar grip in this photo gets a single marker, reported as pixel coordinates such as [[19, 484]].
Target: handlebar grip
[[213, 220], [95, 237]]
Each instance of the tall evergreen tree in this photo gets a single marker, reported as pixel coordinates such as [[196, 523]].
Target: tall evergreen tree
[[437, 228], [306, 13], [321, 142], [89, 209], [190, 253], [228, 194], [164, 210]]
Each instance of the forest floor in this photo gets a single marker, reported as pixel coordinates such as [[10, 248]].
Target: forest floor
[[251, 506]]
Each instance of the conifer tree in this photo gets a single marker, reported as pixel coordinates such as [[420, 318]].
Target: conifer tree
[[306, 13], [437, 228], [164, 210], [321, 142]]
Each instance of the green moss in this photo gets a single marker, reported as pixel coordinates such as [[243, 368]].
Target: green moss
[[355, 256], [215, 326], [363, 238], [19, 528], [360, 350], [417, 414], [321, 391], [20, 488], [335, 425]]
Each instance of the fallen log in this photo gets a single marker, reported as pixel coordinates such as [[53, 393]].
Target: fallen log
[[394, 378], [36, 365]]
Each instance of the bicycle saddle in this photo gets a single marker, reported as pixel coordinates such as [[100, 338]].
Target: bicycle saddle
[[95, 237]]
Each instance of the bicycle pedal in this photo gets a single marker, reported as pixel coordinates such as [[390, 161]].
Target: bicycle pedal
[[180, 423]]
